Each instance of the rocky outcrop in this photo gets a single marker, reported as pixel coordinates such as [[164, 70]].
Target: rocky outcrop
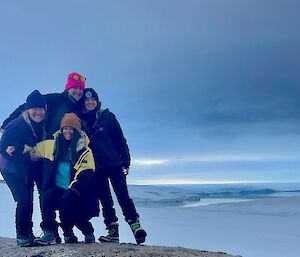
[[8, 248]]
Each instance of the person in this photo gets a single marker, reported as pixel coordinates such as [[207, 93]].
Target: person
[[58, 104], [112, 159], [16, 167], [68, 186]]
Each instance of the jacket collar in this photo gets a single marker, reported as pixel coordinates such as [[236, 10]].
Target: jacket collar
[[82, 143]]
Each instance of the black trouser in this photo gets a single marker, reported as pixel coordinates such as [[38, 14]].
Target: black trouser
[[22, 191], [70, 211], [117, 179]]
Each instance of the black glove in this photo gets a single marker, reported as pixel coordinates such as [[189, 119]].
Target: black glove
[[70, 196]]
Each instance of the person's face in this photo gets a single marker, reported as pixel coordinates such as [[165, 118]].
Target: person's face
[[36, 114], [68, 132], [76, 93], [90, 103]]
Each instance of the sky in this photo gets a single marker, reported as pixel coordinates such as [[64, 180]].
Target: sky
[[206, 91]]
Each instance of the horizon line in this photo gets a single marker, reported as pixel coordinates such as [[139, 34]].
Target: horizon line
[[145, 183], [153, 183]]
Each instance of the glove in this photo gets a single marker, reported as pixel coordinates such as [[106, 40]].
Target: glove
[[70, 196]]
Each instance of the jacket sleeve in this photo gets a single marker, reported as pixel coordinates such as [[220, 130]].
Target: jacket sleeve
[[45, 148], [13, 115], [12, 136], [119, 140], [85, 168]]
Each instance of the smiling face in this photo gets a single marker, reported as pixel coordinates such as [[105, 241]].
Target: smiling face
[[90, 103], [36, 114], [68, 132], [76, 93]]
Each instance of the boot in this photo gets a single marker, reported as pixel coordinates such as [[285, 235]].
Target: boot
[[69, 237], [25, 241], [139, 233], [25, 236], [88, 239], [87, 230], [113, 234], [55, 225], [48, 238]]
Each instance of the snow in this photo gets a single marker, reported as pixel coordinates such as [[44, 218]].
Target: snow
[[251, 226]]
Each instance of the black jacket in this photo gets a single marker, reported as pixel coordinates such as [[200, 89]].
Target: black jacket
[[57, 105], [106, 139]]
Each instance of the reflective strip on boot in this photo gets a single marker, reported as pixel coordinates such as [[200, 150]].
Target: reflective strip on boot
[[135, 225]]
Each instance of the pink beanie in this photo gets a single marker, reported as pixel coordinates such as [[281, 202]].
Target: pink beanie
[[75, 80]]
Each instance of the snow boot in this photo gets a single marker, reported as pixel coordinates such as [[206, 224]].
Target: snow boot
[[139, 233], [25, 237], [113, 234], [25, 241], [48, 238]]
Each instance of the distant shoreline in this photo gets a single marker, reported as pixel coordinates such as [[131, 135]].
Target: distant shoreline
[[211, 184]]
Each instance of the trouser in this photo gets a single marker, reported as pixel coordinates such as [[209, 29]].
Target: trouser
[[70, 211], [115, 175], [22, 191]]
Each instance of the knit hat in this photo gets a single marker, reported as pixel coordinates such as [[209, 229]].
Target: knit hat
[[35, 100], [71, 120], [75, 80], [89, 92]]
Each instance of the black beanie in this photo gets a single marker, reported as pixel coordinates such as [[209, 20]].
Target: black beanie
[[89, 92], [35, 100]]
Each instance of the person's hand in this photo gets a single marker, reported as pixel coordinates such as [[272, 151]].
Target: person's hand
[[33, 156], [125, 170], [71, 196], [10, 149]]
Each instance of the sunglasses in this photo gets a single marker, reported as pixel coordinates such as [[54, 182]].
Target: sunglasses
[[76, 77]]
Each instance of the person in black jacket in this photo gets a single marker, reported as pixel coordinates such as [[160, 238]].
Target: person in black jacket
[[58, 104], [112, 160], [19, 136]]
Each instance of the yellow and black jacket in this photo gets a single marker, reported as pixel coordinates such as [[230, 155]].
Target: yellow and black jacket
[[82, 171]]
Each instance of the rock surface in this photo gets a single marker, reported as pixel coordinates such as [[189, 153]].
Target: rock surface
[[10, 249]]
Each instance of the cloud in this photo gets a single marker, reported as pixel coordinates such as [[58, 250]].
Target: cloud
[[173, 181], [216, 158], [149, 162]]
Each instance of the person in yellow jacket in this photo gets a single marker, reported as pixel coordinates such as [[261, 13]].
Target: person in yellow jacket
[[68, 167]]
